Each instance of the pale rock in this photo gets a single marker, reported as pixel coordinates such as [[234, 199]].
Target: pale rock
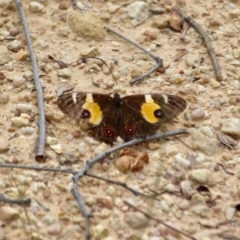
[[183, 204], [18, 82], [4, 98], [204, 143], [57, 148], [4, 145], [136, 220], [124, 70], [71, 153], [5, 55], [202, 211], [138, 10], [27, 131], [51, 140], [54, 229], [182, 161], [90, 52], [35, 7], [19, 121], [15, 45], [229, 213], [231, 126], [206, 131], [87, 25], [165, 206], [214, 83], [200, 158], [99, 231], [171, 150], [23, 107], [64, 73], [49, 219], [190, 60], [187, 189], [8, 214], [198, 114], [202, 176], [5, 3]]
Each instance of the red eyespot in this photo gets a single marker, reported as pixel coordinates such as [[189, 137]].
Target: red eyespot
[[108, 131], [130, 130]]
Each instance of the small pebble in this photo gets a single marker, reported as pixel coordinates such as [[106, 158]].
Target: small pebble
[[198, 114], [202, 176], [200, 158], [183, 204], [51, 140], [57, 148], [5, 55], [64, 73], [4, 145], [8, 214], [99, 231], [190, 60], [15, 45], [231, 126], [4, 98], [207, 131], [24, 108], [54, 229], [229, 213], [19, 121], [27, 131], [135, 220], [18, 82], [35, 7], [138, 10], [187, 189], [182, 161], [124, 70]]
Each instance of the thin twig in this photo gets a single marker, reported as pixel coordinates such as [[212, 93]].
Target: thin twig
[[23, 202], [158, 60], [207, 41], [159, 221], [126, 144], [224, 169], [86, 213], [124, 185], [42, 127]]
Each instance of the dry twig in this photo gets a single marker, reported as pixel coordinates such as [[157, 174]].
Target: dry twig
[[159, 221], [42, 127], [158, 60], [207, 41]]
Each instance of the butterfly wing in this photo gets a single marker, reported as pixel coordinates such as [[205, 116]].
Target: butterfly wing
[[142, 114], [95, 112]]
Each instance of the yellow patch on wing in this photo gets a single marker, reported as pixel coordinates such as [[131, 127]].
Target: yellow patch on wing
[[94, 109], [148, 108]]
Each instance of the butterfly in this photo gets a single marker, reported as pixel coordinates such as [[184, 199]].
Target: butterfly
[[108, 116]]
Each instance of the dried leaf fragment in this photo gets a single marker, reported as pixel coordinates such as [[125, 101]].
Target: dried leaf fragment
[[227, 140]]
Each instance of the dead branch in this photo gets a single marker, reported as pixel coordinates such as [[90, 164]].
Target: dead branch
[[207, 41], [42, 127], [159, 221], [158, 60]]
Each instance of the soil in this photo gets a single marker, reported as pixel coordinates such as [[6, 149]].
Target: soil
[[195, 176]]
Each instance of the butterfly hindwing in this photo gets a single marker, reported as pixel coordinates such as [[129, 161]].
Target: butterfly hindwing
[[129, 117]]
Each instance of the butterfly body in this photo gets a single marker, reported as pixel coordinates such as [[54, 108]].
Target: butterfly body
[[133, 116]]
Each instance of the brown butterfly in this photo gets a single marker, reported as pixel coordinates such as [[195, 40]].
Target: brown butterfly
[[133, 116]]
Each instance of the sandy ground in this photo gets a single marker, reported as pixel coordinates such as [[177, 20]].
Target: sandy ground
[[196, 194]]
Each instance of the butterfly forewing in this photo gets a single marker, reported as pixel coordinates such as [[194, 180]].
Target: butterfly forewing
[[129, 117]]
